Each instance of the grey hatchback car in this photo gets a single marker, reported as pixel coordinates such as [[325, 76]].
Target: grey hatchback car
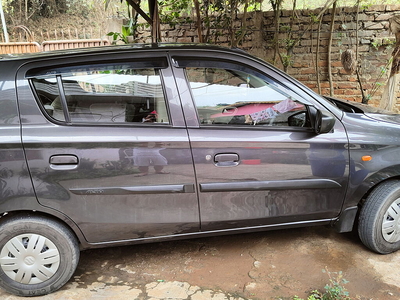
[[143, 143]]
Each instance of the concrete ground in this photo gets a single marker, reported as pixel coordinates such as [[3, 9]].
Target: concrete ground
[[267, 265]]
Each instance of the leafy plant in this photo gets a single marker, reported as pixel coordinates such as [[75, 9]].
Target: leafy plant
[[334, 290], [287, 60], [366, 6], [377, 85], [314, 18], [213, 19], [284, 28], [376, 44], [126, 32], [388, 43], [172, 12]]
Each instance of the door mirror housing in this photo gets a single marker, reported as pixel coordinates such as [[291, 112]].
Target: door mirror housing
[[321, 120], [324, 122]]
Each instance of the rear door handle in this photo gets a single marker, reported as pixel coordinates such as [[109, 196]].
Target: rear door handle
[[226, 160], [64, 162]]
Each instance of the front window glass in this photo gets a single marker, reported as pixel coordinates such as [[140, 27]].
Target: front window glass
[[240, 96], [110, 93]]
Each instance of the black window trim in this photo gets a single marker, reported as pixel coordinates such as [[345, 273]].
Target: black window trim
[[51, 71], [184, 61], [63, 99]]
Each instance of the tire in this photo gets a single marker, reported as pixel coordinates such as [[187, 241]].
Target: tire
[[37, 255], [379, 221]]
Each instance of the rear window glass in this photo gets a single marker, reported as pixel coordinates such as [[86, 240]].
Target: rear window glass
[[104, 93]]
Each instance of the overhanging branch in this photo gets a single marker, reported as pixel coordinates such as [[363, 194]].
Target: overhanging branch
[[140, 11]]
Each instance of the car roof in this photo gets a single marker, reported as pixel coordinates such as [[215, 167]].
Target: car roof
[[113, 48]]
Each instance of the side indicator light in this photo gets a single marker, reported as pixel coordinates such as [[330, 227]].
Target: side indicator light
[[366, 158]]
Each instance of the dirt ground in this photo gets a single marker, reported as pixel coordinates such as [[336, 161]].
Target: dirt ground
[[265, 265]]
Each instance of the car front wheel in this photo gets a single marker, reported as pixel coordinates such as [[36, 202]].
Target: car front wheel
[[37, 255], [379, 222]]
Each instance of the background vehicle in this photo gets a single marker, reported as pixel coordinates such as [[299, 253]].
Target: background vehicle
[[233, 145]]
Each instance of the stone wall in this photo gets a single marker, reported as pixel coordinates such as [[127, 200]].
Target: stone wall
[[375, 45]]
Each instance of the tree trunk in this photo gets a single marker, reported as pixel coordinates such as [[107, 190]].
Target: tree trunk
[[198, 20], [243, 25], [389, 98], [389, 93], [330, 50], [276, 6], [317, 56]]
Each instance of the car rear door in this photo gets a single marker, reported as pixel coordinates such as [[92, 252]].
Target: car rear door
[[258, 160], [107, 146], [16, 190]]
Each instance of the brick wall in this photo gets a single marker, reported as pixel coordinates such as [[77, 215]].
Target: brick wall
[[375, 45]]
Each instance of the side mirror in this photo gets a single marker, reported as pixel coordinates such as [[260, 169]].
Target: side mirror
[[324, 122]]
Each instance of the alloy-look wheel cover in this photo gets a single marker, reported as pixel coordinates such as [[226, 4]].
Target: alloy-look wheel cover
[[391, 223], [29, 258]]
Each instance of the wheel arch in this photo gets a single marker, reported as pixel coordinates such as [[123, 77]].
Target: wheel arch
[[360, 192], [357, 196], [53, 215]]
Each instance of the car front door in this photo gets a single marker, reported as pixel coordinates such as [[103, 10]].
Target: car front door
[[106, 145], [258, 160]]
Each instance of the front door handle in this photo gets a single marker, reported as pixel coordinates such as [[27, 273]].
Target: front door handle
[[226, 160], [64, 162]]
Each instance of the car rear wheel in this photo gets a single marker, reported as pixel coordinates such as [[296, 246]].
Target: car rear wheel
[[379, 222], [37, 255]]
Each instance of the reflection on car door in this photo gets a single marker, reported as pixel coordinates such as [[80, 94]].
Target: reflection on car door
[[257, 160], [103, 147]]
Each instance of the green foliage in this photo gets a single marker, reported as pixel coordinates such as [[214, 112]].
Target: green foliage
[[376, 44], [314, 296], [127, 31], [377, 85], [19, 10], [288, 43], [174, 12], [334, 290], [256, 5], [287, 60], [314, 18], [218, 17], [364, 4], [388, 43]]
